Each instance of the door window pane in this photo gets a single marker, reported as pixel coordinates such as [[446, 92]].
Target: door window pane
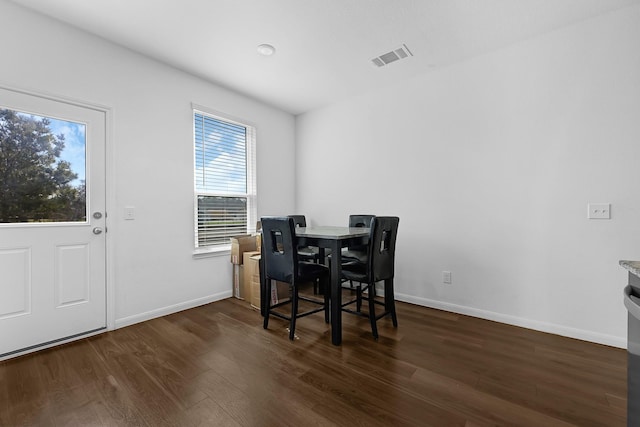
[[42, 169]]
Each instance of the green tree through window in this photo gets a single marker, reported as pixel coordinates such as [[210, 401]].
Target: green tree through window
[[35, 183]]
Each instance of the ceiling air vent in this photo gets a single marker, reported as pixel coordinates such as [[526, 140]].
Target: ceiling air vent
[[394, 55]]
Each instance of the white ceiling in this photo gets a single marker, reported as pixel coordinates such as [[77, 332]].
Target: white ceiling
[[324, 47]]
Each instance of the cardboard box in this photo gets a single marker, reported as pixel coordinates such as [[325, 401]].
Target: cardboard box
[[255, 291], [240, 245], [251, 267], [237, 277], [279, 292]]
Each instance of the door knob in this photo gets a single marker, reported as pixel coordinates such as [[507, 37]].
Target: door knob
[[97, 230]]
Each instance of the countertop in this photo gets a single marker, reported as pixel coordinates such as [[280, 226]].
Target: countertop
[[632, 266]]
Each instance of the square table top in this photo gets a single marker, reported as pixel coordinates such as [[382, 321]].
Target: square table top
[[330, 232]]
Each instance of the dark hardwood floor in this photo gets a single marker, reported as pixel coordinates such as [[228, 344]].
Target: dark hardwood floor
[[215, 365]]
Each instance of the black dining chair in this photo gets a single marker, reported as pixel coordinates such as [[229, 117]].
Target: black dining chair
[[281, 263], [379, 266]]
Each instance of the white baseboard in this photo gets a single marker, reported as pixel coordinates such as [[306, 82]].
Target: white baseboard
[[164, 311], [454, 308], [565, 331]]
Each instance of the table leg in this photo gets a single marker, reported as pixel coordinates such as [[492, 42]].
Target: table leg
[[336, 293], [322, 260], [321, 256]]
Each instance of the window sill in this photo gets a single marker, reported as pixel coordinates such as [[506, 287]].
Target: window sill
[[212, 252]]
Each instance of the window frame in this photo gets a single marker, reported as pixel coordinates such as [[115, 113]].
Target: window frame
[[251, 187]]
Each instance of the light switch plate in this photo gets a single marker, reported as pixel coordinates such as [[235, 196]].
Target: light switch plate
[[599, 211], [446, 277], [129, 212]]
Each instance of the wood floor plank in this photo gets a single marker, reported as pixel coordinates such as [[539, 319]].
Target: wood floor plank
[[208, 413], [476, 405], [216, 365]]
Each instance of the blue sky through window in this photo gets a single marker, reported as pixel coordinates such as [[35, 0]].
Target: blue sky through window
[[74, 144], [220, 156]]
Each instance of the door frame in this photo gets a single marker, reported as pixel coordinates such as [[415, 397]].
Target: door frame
[[110, 216]]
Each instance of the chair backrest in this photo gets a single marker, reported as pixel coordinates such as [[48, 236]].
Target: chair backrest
[[360, 220], [279, 250], [299, 220], [382, 247]]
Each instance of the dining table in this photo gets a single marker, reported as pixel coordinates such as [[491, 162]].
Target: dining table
[[334, 239]]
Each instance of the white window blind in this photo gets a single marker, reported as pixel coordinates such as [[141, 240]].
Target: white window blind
[[224, 179]]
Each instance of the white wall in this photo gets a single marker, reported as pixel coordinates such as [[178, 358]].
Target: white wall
[[490, 165], [153, 271]]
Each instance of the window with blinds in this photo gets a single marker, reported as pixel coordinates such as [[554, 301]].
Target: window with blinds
[[224, 179]]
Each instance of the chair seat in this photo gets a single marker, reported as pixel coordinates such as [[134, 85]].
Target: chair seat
[[311, 270], [349, 255], [308, 252], [356, 271]]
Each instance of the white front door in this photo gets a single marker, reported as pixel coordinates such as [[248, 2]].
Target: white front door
[[52, 221]]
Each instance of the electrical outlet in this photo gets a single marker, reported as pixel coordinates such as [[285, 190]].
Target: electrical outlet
[[446, 277], [599, 211]]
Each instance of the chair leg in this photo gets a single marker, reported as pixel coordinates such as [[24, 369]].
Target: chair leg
[[267, 304], [358, 297], [390, 301], [294, 312], [372, 310]]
